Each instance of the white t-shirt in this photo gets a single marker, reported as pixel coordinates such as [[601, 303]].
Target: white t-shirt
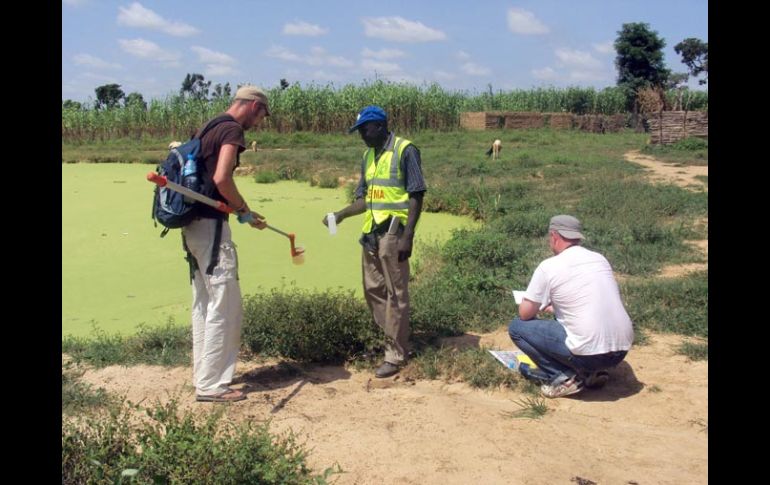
[[582, 289]]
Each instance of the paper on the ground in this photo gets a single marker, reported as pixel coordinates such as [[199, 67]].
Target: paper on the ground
[[512, 358], [518, 296]]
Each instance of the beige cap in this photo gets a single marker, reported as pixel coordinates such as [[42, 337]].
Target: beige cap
[[568, 226], [251, 93]]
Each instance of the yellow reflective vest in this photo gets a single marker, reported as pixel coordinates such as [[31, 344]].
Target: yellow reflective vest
[[385, 195]]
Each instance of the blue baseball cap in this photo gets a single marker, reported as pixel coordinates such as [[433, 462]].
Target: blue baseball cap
[[370, 113]]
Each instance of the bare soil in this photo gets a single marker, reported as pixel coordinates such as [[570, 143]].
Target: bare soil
[[649, 424]]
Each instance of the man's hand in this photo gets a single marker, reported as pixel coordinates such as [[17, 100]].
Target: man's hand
[[337, 217], [405, 247], [254, 219]]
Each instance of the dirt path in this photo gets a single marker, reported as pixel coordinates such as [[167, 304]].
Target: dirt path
[[648, 425], [681, 175]]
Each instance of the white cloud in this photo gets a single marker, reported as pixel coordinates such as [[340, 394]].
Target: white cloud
[[138, 16], [322, 75], [578, 75], [380, 67], [219, 70], [579, 59], [304, 28], [317, 57], [398, 29], [474, 69], [604, 47], [463, 56], [383, 53], [217, 63], [545, 73], [443, 75], [524, 22], [283, 53], [95, 62], [144, 49], [212, 57]]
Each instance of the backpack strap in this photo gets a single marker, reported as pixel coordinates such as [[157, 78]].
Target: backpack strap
[[211, 124], [190, 259], [215, 248]]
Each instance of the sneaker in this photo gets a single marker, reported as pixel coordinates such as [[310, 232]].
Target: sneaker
[[386, 370], [595, 380], [570, 386]]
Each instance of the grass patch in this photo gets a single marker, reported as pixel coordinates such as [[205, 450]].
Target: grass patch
[[180, 447], [473, 366], [169, 345], [694, 350], [689, 151], [77, 396], [677, 305], [531, 407]]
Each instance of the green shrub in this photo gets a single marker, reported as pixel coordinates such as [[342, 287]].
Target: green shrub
[[317, 327], [169, 446], [328, 180], [266, 177], [691, 144]]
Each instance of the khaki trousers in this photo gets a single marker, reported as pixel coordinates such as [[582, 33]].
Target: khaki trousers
[[386, 290], [217, 309]]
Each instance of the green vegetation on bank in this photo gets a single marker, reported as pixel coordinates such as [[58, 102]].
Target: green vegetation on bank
[[163, 444], [329, 109]]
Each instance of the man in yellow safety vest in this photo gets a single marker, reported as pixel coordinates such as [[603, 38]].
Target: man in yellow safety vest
[[389, 194]]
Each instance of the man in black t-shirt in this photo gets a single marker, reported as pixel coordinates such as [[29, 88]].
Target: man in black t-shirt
[[217, 309]]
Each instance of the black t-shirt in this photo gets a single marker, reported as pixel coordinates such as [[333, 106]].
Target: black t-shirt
[[225, 133]]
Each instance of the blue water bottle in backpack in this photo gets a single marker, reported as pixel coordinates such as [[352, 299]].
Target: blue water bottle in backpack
[[190, 176]]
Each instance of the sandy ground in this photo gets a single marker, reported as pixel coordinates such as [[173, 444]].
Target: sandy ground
[[648, 425], [684, 175]]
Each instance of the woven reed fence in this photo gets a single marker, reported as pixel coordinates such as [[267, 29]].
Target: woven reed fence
[[493, 120], [668, 127]]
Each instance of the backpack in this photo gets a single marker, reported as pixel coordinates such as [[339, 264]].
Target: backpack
[[169, 207]]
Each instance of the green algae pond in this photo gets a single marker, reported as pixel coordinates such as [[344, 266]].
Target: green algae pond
[[117, 273]]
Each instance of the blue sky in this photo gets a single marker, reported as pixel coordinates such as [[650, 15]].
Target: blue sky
[[149, 46]]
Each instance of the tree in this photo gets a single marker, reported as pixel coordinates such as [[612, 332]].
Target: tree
[[639, 61], [108, 96], [284, 84], [221, 91], [695, 55], [677, 80], [70, 104], [195, 87], [135, 100]]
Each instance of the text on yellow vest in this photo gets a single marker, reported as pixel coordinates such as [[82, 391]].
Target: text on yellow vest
[[386, 195]]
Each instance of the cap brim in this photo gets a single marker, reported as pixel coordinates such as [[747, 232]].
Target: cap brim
[[570, 234], [355, 127]]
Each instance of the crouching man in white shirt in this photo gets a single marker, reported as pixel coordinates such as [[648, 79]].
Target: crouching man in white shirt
[[591, 331]]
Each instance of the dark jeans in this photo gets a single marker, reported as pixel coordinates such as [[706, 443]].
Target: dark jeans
[[543, 342]]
